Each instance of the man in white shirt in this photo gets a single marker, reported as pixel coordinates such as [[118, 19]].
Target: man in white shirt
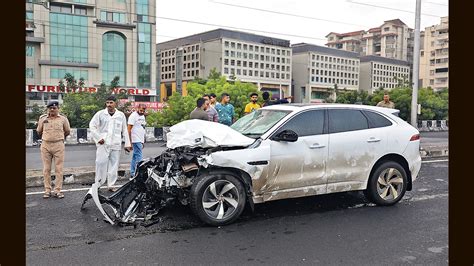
[[136, 131], [107, 128]]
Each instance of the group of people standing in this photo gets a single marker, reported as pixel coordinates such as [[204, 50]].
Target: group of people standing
[[108, 127], [208, 109]]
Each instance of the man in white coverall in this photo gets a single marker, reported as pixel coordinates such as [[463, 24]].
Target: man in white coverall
[[107, 128]]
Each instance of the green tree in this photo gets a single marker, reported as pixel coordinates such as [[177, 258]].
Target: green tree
[[179, 107], [33, 116], [80, 107]]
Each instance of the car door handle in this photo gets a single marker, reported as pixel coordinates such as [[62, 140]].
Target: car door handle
[[372, 139], [316, 146]]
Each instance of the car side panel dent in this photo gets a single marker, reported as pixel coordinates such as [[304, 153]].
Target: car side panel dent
[[240, 159]]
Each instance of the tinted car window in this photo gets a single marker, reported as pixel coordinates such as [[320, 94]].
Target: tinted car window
[[341, 120], [376, 120], [306, 124]]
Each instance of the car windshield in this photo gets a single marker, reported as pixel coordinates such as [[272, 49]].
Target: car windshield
[[258, 122]]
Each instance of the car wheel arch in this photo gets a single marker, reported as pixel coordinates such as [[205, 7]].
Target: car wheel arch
[[394, 158]]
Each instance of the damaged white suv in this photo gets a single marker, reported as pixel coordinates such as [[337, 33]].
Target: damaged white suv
[[277, 152]]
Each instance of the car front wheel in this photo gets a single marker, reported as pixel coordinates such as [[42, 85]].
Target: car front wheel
[[388, 184], [217, 199]]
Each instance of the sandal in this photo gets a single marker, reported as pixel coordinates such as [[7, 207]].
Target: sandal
[[59, 195], [46, 195]]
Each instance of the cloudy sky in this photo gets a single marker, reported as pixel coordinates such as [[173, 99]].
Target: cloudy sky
[[297, 21]]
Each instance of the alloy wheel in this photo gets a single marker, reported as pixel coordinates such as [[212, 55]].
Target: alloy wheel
[[390, 184], [220, 199]]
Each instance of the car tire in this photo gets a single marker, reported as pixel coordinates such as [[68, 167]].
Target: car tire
[[217, 199], [387, 185]]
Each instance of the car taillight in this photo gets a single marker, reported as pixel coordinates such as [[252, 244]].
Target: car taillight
[[415, 137]]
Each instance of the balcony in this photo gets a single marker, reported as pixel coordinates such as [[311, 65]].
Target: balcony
[[109, 24]]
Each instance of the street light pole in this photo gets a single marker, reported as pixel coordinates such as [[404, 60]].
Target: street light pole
[[416, 66]]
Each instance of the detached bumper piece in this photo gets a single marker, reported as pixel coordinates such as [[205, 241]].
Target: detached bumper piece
[[157, 184]]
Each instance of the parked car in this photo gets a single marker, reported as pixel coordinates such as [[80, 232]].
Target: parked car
[[277, 152]]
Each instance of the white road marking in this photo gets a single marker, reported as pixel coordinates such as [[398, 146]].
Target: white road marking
[[428, 197], [435, 161], [66, 190]]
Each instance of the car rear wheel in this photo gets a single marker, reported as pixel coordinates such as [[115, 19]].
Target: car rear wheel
[[217, 199], [387, 185]]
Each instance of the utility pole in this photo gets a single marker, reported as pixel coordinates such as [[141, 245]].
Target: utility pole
[[416, 66], [158, 76], [179, 70]]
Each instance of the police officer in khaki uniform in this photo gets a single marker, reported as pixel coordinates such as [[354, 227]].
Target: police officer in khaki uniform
[[386, 102], [53, 129]]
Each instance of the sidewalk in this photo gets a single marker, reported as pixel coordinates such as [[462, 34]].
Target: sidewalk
[[86, 175]]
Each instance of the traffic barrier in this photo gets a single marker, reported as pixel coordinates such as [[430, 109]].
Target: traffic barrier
[[424, 126], [82, 135], [29, 137], [72, 138], [433, 125], [444, 125], [150, 134], [159, 133], [89, 136], [165, 131]]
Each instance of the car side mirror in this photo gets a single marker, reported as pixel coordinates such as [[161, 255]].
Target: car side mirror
[[286, 135]]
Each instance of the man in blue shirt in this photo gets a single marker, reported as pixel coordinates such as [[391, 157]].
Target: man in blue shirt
[[225, 110]]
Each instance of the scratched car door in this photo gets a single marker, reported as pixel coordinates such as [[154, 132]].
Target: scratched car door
[[299, 168]]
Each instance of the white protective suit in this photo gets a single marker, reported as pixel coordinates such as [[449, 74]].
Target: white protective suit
[[110, 129]]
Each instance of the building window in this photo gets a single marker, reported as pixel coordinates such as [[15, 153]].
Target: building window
[[112, 17], [144, 54], [61, 9], [80, 11], [68, 38], [30, 50], [226, 44], [142, 10], [29, 15], [113, 57], [29, 73], [59, 73]]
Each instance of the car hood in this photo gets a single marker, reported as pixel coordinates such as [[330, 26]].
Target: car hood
[[205, 134]]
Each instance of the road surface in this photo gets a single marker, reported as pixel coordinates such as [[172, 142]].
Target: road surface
[[336, 229]]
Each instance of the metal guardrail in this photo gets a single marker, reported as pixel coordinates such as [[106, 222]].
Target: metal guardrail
[[83, 136]]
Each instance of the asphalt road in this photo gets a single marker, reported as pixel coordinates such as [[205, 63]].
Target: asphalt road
[[84, 155], [337, 229]]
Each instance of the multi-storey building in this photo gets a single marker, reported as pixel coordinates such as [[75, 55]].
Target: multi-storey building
[[434, 56], [380, 72], [319, 72], [393, 39], [91, 39], [264, 61]]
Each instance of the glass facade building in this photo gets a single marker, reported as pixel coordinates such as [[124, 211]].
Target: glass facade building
[[144, 44], [69, 38], [113, 57], [96, 40]]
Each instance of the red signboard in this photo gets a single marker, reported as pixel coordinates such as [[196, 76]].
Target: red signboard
[[56, 89], [149, 105]]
